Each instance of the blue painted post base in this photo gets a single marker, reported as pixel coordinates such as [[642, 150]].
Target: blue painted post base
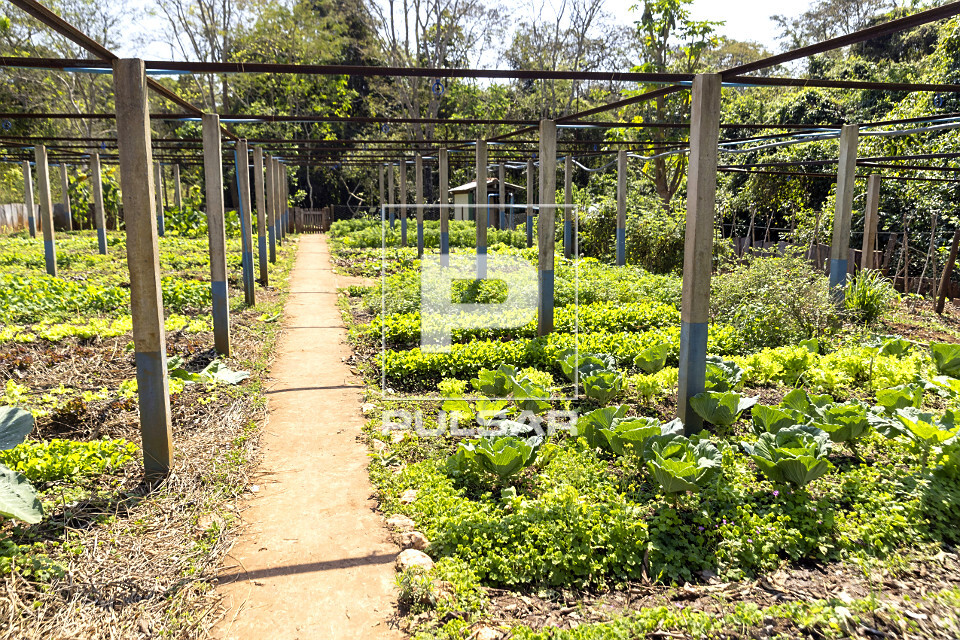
[[33, 226], [393, 219], [221, 316], [50, 257], [445, 248], [262, 253], [481, 263], [567, 245], [102, 241], [154, 401], [693, 372], [503, 219], [160, 224], [621, 247], [248, 290], [273, 245], [529, 231], [545, 281], [838, 274], [403, 232]]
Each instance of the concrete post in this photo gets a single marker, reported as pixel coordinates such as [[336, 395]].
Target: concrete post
[[403, 202], [380, 185], [840, 245], [621, 207], [158, 184], [277, 212], [481, 215], [177, 188], [28, 198], [530, 203], [391, 202], [213, 184], [444, 207], [502, 179], [698, 245], [418, 167], [146, 301], [46, 209], [271, 209], [261, 215], [546, 224], [96, 185], [242, 163], [567, 206], [65, 188], [870, 222], [284, 214]]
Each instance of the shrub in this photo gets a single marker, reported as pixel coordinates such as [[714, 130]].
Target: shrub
[[868, 295], [774, 301]]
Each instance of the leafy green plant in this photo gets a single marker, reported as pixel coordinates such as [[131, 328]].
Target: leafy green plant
[[900, 397], [18, 498], [679, 465], [843, 422], [214, 373], [927, 430], [770, 419], [946, 356], [67, 459], [603, 385], [496, 383], [868, 295], [591, 425], [722, 375], [721, 409], [504, 456], [653, 359], [797, 455], [580, 365], [627, 436]]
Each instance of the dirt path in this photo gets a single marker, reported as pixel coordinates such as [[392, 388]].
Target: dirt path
[[315, 560]]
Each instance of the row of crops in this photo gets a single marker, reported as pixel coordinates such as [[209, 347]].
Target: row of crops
[[75, 516], [837, 447]]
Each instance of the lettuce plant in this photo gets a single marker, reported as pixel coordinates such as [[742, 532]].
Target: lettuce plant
[[721, 409], [679, 465], [18, 498], [797, 455]]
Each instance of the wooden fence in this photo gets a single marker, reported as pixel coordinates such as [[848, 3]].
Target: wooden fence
[[13, 217]]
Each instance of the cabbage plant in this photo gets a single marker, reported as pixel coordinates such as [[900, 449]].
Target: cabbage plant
[[900, 397], [591, 424], [504, 456], [722, 375], [18, 498], [576, 365], [652, 359], [603, 385], [721, 409], [947, 358], [628, 435], [843, 422], [679, 465], [927, 430], [770, 419], [797, 455]]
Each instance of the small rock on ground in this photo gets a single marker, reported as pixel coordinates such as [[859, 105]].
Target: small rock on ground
[[413, 540], [401, 523], [413, 558]]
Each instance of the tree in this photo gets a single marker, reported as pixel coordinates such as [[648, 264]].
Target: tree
[[827, 19]]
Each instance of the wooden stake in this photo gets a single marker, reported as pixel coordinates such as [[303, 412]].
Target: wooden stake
[[177, 188], [46, 210], [96, 185], [217, 240], [28, 198], [271, 201], [567, 206], [621, 238], [482, 214], [870, 222], [502, 204], [530, 203], [698, 245], [948, 272], [403, 203], [930, 250], [546, 225], [143, 261], [261, 214]]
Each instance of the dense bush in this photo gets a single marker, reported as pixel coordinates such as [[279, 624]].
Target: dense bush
[[868, 295], [774, 301]]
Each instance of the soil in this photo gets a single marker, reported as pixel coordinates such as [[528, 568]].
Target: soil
[[315, 560]]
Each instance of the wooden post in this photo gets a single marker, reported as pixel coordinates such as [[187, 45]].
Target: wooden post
[[65, 188], [213, 183], [261, 215], [840, 245], [28, 198], [418, 167], [242, 163], [158, 185], [698, 245], [177, 188], [947, 272], [96, 185], [284, 200], [530, 203], [502, 205], [380, 202], [888, 253], [391, 202], [930, 251], [271, 209], [277, 212], [444, 207], [546, 225], [622, 207], [867, 258], [146, 302], [482, 214], [46, 209], [403, 202], [567, 206]]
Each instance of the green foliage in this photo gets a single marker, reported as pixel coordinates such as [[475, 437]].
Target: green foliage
[[868, 296], [774, 301], [679, 465], [504, 456], [900, 397], [721, 409], [946, 356], [592, 425], [57, 459], [578, 365], [18, 498], [628, 436], [603, 385], [926, 429], [652, 359], [214, 373], [722, 375], [797, 455]]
